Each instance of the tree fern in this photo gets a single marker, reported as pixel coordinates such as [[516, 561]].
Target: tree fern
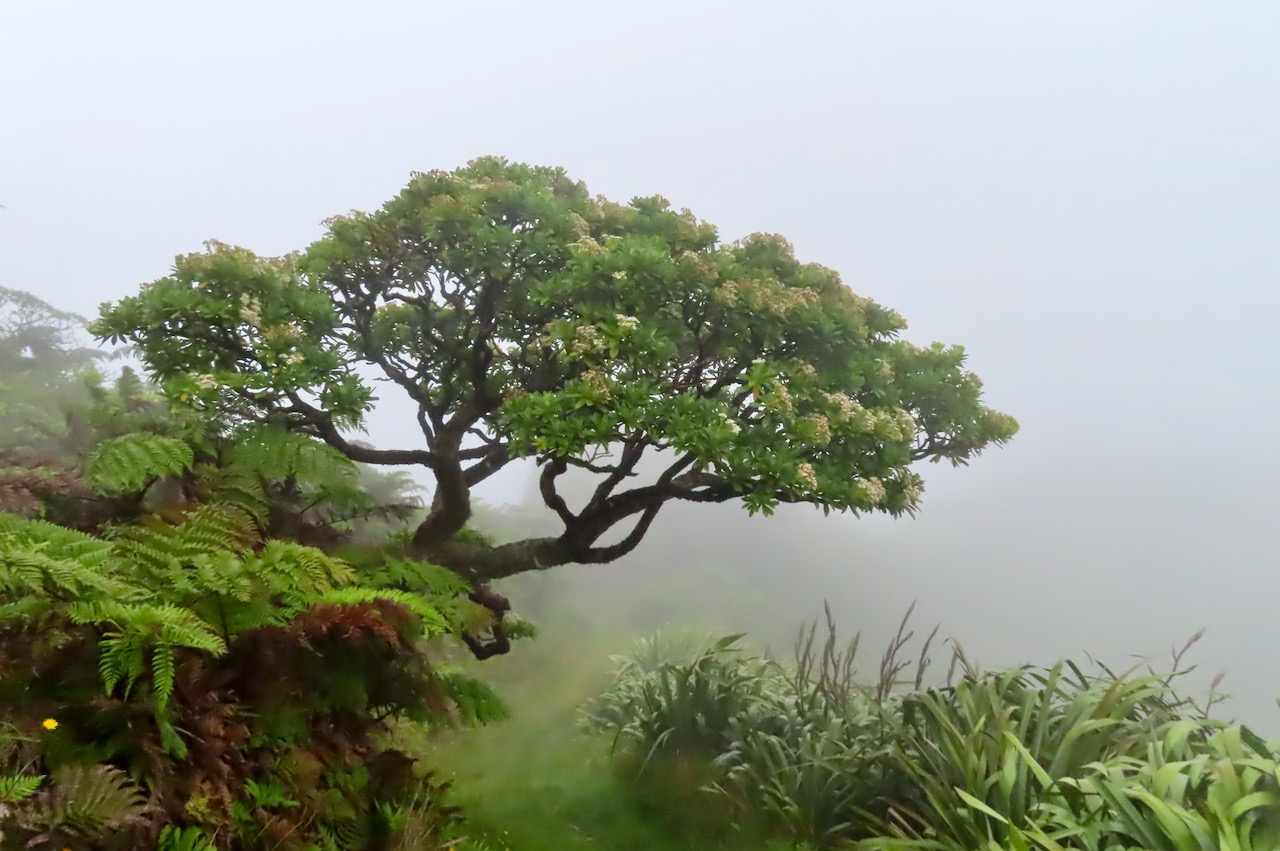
[[279, 455], [413, 575], [235, 485], [67, 577], [55, 539], [433, 621], [127, 464], [142, 632]]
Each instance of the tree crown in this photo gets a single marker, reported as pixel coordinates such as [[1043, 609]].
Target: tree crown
[[526, 318]]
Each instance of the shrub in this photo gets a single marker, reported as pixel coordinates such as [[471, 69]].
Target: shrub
[[183, 672], [1027, 758]]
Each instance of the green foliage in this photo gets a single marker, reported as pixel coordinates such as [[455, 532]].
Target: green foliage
[[184, 839], [95, 804], [1048, 759], [535, 320], [1187, 793], [39, 344], [279, 455], [674, 696], [18, 787], [127, 464], [162, 610], [172, 610], [176, 639]]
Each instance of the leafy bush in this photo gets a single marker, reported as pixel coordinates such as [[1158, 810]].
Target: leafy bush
[[1050, 759], [679, 693], [187, 667]]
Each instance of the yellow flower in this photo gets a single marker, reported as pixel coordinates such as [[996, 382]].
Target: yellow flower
[[49, 724]]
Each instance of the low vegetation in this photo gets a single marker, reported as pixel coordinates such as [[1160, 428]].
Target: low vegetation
[[1030, 758]]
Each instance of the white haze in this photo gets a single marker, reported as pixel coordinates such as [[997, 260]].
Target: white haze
[[1085, 195]]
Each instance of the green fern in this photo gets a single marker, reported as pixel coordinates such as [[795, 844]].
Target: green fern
[[85, 801], [305, 569], [18, 787], [31, 570], [279, 455], [56, 540], [412, 575], [235, 485], [128, 464], [184, 839], [433, 622], [141, 633], [475, 702]]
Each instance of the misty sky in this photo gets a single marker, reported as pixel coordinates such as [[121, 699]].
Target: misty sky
[[1085, 195]]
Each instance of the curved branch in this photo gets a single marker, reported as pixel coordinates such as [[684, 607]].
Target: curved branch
[[320, 423], [603, 555], [547, 487], [497, 458]]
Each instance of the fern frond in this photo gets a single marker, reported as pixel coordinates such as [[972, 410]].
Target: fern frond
[[475, 702], [88, 801], [24, 608], [237, 616], [184, 839], [306, 570], [278, 455], [433, 621], [56, 540], [237, 486], [137, 628], [127, 464], [211, 528], [18, 787], [411, 575], [30, 567]]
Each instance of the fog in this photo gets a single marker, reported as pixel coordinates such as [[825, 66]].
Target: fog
[[1084, 195]]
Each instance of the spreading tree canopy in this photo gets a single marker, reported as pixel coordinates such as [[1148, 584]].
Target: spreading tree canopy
[[526, 318]]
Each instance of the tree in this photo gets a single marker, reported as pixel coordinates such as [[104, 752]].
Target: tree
[[39, 344], [527, 319]]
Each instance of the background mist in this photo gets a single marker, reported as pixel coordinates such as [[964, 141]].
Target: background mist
[[1084, 196]]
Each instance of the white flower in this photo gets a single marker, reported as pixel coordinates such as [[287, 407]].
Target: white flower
[[727, 293], [619, 276], [874, 489], [821, 429], [586, 339], [846, 408], [627, 323], [597, 384], [206, 382], [589, 246], [907, 422], [806, 476], [252, 311]]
